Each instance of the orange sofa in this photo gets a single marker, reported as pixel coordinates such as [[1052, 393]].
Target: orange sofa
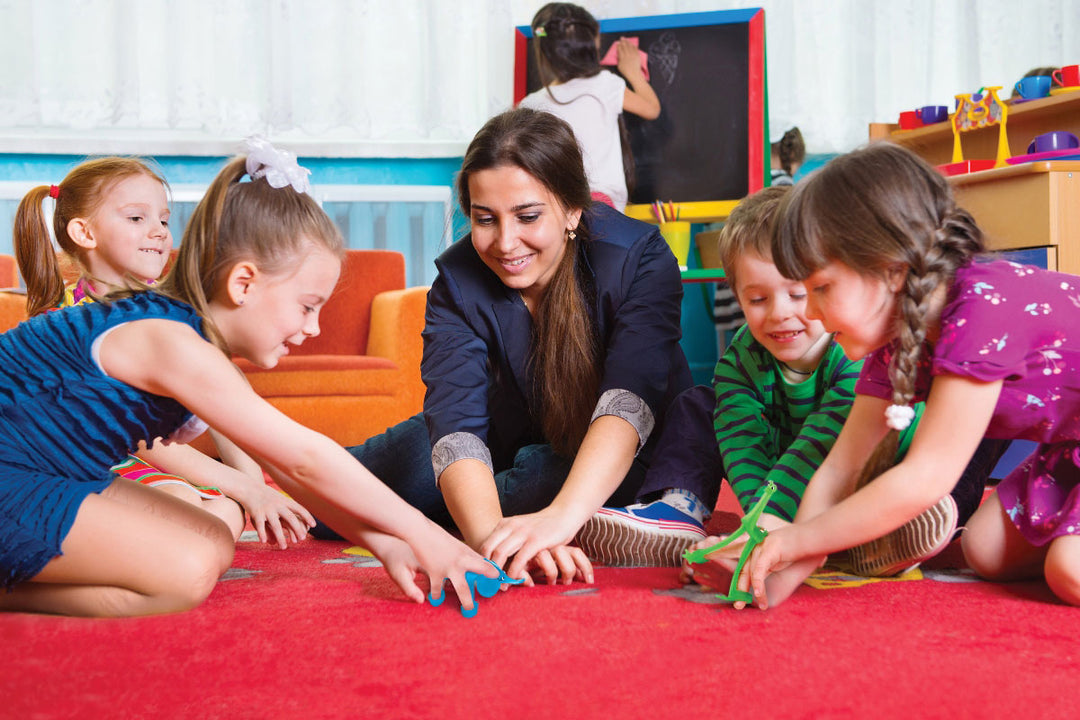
[[361, 374]]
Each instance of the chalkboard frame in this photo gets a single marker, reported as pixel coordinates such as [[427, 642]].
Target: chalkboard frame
[[756, 101]]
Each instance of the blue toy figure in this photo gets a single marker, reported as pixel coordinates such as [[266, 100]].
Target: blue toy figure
[[479, 584]]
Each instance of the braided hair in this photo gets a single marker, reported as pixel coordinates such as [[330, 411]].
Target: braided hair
[[873, 210]]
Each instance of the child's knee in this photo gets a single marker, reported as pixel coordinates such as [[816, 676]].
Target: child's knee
[[979, 558], [195, 574], [1062, 568]]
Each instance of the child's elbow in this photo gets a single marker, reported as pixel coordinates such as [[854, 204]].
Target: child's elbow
[[652, 112]]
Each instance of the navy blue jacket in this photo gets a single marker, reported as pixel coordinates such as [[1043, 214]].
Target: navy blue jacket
[[477, 337]]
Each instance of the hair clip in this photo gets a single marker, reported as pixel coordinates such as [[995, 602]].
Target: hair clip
[[899, 417], [279, 167], [540, 32], [755, 535], [54, 191]]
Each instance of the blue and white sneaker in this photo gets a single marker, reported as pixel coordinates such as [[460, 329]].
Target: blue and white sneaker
[[646, 534]]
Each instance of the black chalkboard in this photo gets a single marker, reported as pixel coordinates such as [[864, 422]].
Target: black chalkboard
[[708, 143]]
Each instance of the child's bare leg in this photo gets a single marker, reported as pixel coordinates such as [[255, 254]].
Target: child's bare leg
[[224, 508], [1062, 568], [131, 551], [995, 549]]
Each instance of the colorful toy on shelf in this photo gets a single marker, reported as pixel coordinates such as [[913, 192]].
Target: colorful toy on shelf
[[979, 110], [754, 537], [478, 585]]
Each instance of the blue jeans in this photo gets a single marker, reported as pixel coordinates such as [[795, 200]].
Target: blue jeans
[[401, 458]]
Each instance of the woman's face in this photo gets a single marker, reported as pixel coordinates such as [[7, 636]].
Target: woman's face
[[518, 228]]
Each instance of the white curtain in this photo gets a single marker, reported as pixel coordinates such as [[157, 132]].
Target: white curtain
[[394, 77]]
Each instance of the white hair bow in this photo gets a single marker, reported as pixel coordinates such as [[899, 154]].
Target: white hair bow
[[899, 417], [279, 167]]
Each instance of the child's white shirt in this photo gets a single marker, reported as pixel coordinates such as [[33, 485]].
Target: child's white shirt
[[592, 107]]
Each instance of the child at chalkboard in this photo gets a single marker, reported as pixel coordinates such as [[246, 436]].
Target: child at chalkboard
[[590, 100]]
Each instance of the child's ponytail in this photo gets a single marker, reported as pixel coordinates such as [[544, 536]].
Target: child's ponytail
[[198, 263], [34, 253], [270, 224]]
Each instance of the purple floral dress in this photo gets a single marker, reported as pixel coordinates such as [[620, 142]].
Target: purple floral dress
[[1019, 324]]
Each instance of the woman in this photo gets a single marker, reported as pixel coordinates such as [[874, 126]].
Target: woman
[[551, 349]]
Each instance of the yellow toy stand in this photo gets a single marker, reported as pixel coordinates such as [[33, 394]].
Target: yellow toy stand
[[972, 114]]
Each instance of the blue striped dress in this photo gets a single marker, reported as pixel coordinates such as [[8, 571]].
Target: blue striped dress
[[64, 423]]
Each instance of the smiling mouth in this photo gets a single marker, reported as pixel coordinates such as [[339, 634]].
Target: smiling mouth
[[152, 251], [516, 262], [789, 335]]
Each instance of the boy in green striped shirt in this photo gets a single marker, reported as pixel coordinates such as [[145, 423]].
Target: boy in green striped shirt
[[781, 393]]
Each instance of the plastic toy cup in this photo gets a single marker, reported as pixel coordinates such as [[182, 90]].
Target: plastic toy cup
[[1056, 140], [1036, 86], [677, 234], [1068, 76], [909, 120], [930, 114]]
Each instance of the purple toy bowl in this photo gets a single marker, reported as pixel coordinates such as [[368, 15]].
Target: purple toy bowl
[[930, 114], [1051, 141]]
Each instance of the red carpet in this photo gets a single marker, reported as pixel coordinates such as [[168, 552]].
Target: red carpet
[[309, 632]]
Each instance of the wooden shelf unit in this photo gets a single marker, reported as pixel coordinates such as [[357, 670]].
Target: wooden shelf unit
[[1030, 206]]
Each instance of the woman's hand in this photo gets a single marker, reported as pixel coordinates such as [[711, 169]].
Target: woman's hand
[[539, 539]]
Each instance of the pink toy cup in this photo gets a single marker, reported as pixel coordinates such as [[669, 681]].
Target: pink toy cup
[[1068, 76], [909, 120]]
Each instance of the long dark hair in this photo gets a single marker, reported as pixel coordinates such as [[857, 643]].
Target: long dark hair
[[874, 209], [566, 354]]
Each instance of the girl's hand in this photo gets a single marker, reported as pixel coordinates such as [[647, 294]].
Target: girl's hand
[[525, 537], [629, 61], [720, 563], [398, 560], [775, 570], [274, 515], [443, 557]]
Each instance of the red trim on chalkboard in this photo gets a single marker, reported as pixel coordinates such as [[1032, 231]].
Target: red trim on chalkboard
[[756, 104], [520, 65]]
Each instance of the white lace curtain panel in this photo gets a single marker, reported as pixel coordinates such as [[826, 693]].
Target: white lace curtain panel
[[431, 71]]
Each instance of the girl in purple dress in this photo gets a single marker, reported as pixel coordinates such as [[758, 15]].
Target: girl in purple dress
[[893, 269]]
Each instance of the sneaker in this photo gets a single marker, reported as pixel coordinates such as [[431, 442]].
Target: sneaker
[[909, 545], [645, 535]]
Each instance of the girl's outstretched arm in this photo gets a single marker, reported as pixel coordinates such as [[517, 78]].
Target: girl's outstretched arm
[[958, 411], [169, 358], [639, 98]]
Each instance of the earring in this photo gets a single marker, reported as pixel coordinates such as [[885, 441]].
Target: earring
[[571, 234], [240, 301]]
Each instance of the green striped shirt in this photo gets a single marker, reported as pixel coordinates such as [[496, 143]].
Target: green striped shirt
[[771, 430]]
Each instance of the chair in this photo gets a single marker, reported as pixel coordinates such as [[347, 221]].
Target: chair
[[9, 272]]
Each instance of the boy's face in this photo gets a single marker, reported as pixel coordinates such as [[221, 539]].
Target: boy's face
[[775, 309]]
